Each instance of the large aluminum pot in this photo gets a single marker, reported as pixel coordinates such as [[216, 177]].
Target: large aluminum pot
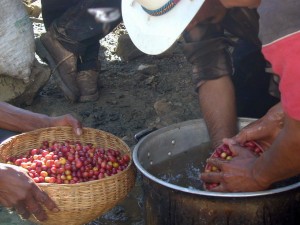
[[169, 204]]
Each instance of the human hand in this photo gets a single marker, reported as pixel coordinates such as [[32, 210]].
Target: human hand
[[236, 174], [264, 130], [19, 191], [67, 120]]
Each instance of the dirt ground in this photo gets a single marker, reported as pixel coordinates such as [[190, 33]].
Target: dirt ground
[[148, 91], [136, 94]]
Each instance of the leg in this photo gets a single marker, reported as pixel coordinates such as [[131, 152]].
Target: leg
[[251, 81], [54, 9], [71, 45]]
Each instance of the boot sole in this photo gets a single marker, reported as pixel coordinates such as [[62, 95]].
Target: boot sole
[[89, 98], [42, 52]]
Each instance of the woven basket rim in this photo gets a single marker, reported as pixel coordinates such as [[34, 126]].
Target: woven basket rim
[[60, 127], [114, 176], [82, 197]]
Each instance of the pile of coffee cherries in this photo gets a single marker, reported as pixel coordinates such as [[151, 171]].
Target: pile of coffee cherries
[[71, 162], [223, 152]]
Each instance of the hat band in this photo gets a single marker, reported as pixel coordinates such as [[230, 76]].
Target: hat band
[[162, 10]]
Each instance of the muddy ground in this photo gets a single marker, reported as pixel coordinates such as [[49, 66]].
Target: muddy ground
[[148, 91]]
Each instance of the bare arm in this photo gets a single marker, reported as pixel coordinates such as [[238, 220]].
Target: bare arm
[[20, 120], [217, 103], [246, 173], [281, 161], [17, 119], [17, 189], [264, 130]]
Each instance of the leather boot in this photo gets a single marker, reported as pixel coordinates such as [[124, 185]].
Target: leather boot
[[88, 85], [62, 63]]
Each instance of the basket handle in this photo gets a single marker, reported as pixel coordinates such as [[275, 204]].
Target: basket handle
[[138, 136]]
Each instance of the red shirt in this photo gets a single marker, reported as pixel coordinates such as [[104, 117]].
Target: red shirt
[[280, 35]]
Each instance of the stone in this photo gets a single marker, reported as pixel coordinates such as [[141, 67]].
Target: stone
[[148, 69], [126, 50], [162, 107]]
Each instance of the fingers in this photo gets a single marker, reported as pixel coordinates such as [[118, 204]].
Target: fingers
[[242, 136], [36, 200], [22, 210], [219, 188], [247, 132], [211, 177], [36, 209], [42, 198], [229, 141], [33, 205], [77, 126], [67, 120], [235, 149], [216, 162]]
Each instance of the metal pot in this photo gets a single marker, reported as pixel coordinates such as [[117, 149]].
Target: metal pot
[[169, 204]]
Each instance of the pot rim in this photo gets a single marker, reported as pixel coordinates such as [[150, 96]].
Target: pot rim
[[195, 191]]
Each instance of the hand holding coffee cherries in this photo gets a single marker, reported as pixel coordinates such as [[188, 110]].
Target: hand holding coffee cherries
[[264, 130], [66, 120], [234, 175], [19, 192], [229, 165]]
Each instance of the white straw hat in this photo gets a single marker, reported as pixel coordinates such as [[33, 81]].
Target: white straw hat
[[154, 25]]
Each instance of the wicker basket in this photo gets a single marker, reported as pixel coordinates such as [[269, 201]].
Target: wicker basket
[[83, 202]]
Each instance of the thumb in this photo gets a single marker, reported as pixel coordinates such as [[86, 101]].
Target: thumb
[[241, 137], [232, 145], [246, 134], [229, 141]]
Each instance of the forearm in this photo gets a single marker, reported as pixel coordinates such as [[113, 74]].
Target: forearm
[[282, 160], [17, 119], [217, 103]]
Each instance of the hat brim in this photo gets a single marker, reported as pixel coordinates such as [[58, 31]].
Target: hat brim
[[155, 34]]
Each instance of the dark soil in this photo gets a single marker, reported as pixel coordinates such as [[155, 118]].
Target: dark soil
[[130, 101]]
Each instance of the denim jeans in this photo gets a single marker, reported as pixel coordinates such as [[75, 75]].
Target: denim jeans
[[251, 81], [4, 134], [76, 29]]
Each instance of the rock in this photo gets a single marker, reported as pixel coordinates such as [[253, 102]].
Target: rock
[[149, 80], [126, 50], [125, 138], [162, 107], [148, 69]]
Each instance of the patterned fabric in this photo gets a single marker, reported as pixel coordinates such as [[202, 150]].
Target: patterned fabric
[[280, 35], [162, 10], [207, 45]]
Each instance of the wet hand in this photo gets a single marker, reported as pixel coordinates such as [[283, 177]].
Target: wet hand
[[235, 175], [18, 191], [264, 130]]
